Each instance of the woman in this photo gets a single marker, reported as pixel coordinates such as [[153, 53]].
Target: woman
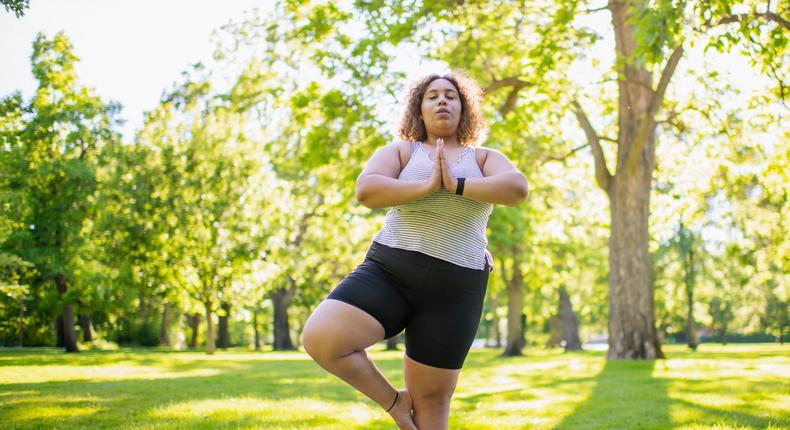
[[427, 269]]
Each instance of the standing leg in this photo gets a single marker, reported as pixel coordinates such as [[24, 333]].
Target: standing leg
[[431, 389], [336, 336]]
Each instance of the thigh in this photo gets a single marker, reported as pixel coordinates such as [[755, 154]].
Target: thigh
[[339, 329], [443, 326], [373, 289]]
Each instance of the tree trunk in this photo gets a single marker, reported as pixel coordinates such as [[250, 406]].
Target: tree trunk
[[570, 325], [691, 331], [209, 328], [223, 335], [164, 337], [255, 329], [281, 298], [686, 248], [392, 343], [194, 323], [515, 306], [20, 325], [556, 330], [632, 331], [60, 340], [495, 332], [69, 333], [87, 328]]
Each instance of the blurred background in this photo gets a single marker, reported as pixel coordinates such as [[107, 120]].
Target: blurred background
[[181, 174]]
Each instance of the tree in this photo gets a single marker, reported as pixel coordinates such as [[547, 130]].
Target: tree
[[316, 126], [58, 135], [753, 278], [12, 268], [508, 228], [686, 242], [721, 314], [210, 191]]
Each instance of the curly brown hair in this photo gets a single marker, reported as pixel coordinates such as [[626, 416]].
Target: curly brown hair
[[471, 125]]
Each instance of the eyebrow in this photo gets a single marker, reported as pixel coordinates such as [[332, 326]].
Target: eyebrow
[[435, 90]]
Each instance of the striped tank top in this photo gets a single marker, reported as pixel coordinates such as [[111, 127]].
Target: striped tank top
[[443, 225]]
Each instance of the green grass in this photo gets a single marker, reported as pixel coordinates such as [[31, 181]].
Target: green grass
[[717, 387]]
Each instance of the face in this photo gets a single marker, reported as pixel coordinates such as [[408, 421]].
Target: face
[[441, 108]]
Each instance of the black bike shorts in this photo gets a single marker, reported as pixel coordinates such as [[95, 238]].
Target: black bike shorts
[[438, 303]]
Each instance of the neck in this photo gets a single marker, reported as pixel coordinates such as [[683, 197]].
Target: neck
[[449, 141]]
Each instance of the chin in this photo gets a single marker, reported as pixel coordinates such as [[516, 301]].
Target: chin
[[443, 131]]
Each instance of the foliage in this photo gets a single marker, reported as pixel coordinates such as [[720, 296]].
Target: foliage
[[16, 6]]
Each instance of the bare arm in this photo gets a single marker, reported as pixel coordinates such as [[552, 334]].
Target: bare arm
[[378, 185], [502, 183]]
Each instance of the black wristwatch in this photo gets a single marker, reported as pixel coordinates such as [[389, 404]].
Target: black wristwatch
[[460, 188]]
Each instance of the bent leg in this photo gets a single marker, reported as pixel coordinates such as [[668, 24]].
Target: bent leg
[[336, 336], [431, 389]]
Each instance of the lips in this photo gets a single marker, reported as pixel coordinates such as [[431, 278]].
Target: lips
[[442, 110]]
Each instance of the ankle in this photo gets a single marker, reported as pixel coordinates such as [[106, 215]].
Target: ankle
[[394, 402]]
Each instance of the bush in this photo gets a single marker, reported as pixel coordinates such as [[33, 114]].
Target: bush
[[138, 333], [739, 338]]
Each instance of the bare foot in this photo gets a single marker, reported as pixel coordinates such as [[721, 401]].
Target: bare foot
[[402, 413]]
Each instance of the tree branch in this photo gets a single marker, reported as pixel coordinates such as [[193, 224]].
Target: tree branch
[[602, 175], [648, 122], [510, 102], [663, 82], [597, 9], [769, 16], [672, 121], [506, 82], [549, 158]]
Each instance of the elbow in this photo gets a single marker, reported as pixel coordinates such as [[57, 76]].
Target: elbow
[[362, 193], [520, 190], [362, 196], [524, 189]]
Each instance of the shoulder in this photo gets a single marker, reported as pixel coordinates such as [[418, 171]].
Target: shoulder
[[492, 161], [404, 148], [396, 152], [482, 153]]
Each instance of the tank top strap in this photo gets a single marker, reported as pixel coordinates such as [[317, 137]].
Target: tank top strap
[[473, 159]]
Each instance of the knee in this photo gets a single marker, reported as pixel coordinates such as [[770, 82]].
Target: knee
[[313, 342], [438, 399], [320, 343]]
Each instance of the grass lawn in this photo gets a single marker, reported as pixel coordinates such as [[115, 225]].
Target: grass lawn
[[717, 387]]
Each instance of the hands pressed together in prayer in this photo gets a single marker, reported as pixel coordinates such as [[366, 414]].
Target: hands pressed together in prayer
[[442, 176]]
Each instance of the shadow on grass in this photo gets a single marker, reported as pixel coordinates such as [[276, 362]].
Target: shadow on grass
[[626, 395], [618, 399]]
